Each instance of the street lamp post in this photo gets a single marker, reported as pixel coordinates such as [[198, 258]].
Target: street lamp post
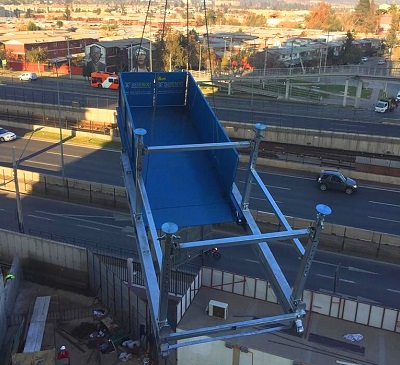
[[60, 128], [15, 163], [265, 56], [20, 216], [69, 57], [326, 51]]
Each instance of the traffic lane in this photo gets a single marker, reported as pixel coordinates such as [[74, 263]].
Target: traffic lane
[[91, 97], [69, 222], [324, 123], [83, 163], [298, 195]]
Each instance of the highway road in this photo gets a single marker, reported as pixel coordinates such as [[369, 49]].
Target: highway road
[[110, 231], [269, 112], [371, 207]]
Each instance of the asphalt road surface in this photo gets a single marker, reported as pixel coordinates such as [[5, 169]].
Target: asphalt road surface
[[371, 207], [110, 231], [229, 109]]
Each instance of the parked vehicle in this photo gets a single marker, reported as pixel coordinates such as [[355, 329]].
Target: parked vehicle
[[385, 105], [104, 80], [28, 76], [335, 180], [398, 97], [364, 59], [6, 135]]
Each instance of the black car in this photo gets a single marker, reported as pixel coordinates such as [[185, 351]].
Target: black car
[[334, 180]]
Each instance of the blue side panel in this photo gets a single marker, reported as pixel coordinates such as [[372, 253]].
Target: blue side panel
[[170, 88], [224, 161], [138, 88], [187, 188]]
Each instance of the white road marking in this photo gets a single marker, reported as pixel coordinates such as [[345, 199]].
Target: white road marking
[[88, 227], [79, 219], [394, 291], [323, 263], [325, 276], [265, 199], [36, 216], [268, 186], [384, 219], [41, 163], [129, 235], [65, 154], [332, 277], [356, 269], [254, 261], [381, 203], [347, 281]]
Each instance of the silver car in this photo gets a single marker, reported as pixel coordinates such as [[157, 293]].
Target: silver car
[[6, 135], [28, 76]]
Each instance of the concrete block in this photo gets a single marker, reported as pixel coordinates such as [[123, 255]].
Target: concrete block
[[249, 289], [359, 234], [349, 310], [376, 317], [362, 314], [321, 303], [390, 319]]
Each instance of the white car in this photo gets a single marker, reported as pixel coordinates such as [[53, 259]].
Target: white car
[[365, 59], [28, 76], [5, 135]]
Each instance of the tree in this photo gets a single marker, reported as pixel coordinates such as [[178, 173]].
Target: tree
[[67, 13], [349, 53], [59, 23], [322, 17], [254, 20], [38, 55], [32, 26], [391, 39], [365, 18]]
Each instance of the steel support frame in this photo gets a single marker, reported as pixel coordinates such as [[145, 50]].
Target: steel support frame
[[157, 291]]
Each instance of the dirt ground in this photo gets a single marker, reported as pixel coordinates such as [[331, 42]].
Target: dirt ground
[[81, 329]]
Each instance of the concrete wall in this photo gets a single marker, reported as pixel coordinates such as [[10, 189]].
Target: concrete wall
[[51, 111], [341, 238], [56, 263], [316, 138], [322, 303], [303, 137], [201, 354]]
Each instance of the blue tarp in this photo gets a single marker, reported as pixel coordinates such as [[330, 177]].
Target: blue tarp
[[188, 188]]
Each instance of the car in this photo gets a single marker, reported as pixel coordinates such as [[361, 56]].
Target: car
[[28, 76], [6, 135], [364, 59], [381, 62], [335, 180], [398, 96]]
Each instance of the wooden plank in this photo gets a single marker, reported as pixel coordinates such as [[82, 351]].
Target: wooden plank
[[37, 325], [41, 308]]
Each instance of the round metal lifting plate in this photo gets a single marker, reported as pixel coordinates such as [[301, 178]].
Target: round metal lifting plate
[[169, 228], [324, 209]]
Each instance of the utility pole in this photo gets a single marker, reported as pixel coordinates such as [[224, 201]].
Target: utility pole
[[20, 216], [200, 59]]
